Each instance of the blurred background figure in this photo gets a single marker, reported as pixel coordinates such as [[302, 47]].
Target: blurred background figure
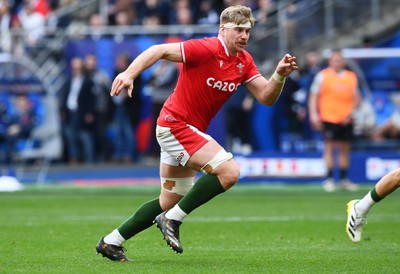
[[16, 126], [5, 121], [264, 7], [237, 113], [32, 24], [122, 21], [310, 69], [292, 106], [126, 117], [5, 26], [207, 14], [78, 114], [151, 21], [126, 6], [161, 84], [182, 15], [56, 21], [292, 13], [390, 129], [334, 96], [96, 22], [153, 8], [102, 107], [307, 72]]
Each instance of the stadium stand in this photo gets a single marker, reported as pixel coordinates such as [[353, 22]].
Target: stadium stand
[[43, 144], [318, 24]]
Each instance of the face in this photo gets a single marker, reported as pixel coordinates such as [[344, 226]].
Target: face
[[336, 62], [76, 66], [23, 103], [235, 38], [90, 62]]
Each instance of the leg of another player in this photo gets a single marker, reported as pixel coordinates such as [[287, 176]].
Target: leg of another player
[[386, 185]]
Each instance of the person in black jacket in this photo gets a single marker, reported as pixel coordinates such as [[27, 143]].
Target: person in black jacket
[[126, 117], [77, 114]]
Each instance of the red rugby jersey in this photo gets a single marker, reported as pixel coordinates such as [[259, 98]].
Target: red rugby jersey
[[209, 77]]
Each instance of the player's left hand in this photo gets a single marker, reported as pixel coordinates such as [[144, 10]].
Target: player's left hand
[[286, 65]]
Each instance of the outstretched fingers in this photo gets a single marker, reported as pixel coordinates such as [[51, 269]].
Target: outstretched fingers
[[287, 65], [116, 87], [291, 61], [119, 85]]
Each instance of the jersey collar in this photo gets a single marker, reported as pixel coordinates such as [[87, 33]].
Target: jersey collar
[[224, 45]]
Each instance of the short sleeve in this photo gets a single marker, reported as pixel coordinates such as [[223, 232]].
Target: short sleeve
[[252, 72], [316, 84], [196, 51]]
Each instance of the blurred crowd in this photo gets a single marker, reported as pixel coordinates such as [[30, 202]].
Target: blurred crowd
[[98, 128], [39, 19]]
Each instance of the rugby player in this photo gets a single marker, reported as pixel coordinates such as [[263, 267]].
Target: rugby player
[[212, 70]]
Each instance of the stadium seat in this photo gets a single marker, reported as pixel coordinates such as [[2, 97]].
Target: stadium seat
[[40, 113], [382, 105], [45, 143]]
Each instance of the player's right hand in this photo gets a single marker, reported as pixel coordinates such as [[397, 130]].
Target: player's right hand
[[120, 83], [315, 122]]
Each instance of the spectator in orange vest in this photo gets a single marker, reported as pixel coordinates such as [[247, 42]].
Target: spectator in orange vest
[[334, 95]]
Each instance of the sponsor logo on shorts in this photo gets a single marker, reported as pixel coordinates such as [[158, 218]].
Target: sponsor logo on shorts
[[180, 156]]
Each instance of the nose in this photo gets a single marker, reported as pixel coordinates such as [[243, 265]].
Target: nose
[[244, 35]]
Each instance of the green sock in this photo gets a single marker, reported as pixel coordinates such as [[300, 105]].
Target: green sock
[[206, 188], [142, 219], [375, 195]]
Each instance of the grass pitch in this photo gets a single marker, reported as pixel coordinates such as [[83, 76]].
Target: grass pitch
[[249, 229]]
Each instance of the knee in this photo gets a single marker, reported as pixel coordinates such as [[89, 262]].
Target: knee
[[230, 175], [168, 199], [166, 204], [396, 175]]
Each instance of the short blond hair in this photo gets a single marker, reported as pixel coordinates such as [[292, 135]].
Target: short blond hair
[[237, 14]]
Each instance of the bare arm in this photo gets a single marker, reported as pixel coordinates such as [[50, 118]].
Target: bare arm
[[357, 98], [313, 111], [266, 91], [146, 59], [313, 102]]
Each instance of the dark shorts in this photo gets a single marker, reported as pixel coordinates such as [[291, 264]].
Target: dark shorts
[[338, 132]]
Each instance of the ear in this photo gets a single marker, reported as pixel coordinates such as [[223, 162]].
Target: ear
[[222, 31]]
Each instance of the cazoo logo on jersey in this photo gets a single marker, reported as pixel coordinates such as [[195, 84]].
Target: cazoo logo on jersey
[[222, 86]]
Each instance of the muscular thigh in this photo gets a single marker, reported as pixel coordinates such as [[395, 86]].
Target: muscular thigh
[[179, 142], [169, 171], [186, 150], [195, 162], [203, 155]]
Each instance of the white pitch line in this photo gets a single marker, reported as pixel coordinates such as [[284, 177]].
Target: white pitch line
[[392, 218], [261, 219], [217, 219]]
